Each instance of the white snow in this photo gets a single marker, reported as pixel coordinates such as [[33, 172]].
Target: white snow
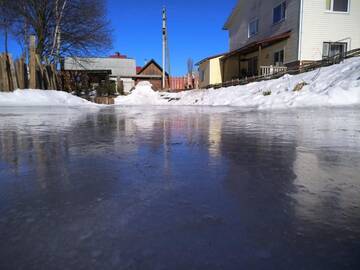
[[337, 85], [31, 97]]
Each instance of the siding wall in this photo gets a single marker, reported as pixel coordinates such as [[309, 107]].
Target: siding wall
[[247, 10], [205, 68], [215, 71], [320, 25], [118, 67]]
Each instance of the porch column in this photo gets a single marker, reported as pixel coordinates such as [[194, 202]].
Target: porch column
[[239, 66], [259, 60]]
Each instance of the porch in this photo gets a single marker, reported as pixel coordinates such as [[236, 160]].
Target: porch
[[271, 70], [261, 58]]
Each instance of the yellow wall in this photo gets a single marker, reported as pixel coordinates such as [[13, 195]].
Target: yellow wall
[[215, 71], [204, 73], [212, 72]]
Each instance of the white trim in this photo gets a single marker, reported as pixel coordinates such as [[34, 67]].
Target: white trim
[[300, 36]]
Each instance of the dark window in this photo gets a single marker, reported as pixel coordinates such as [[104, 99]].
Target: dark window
[[279, 58], [341, 5], [202, 75], [279, 13], [331, 49], [337, 5], [253, 66]]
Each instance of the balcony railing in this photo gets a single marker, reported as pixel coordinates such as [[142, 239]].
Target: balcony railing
[[271, 70]]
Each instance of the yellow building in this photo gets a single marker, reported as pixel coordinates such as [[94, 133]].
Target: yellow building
[[210, 71]]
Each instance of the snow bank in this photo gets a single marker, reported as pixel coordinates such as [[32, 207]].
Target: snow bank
[[337, 85], [41, 98]]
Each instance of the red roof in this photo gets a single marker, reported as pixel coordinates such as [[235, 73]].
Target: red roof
[[138, 69], [118, 55]]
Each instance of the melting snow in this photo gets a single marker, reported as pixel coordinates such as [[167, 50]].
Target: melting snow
[[337, 85], [41, 98]]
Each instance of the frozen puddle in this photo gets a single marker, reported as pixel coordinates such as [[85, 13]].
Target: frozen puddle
[[179, 188]]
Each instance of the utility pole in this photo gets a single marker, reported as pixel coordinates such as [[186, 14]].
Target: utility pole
[[164, 47]]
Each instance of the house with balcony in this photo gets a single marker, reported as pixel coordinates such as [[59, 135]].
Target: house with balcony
[[267, 36]]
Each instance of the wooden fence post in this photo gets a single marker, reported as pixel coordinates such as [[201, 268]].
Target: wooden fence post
[[4, 73], [14, 84], [32, 63], [2, 84]]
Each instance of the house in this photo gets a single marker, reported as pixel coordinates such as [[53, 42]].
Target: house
[[153, 73], [267, 36], [117, 68], [210, 71], [288, 33]]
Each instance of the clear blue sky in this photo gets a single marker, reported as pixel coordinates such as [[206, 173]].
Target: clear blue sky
[[195, 29]]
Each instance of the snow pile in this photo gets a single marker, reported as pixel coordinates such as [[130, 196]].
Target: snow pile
[[337, 85], [143, 94], [41, 98]]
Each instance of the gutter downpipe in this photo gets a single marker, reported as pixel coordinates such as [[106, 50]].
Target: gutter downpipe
[[301, 29]]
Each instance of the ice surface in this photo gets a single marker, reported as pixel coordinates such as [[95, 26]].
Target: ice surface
[[175, 188]]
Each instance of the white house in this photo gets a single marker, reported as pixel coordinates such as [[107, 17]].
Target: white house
[[288, 33]]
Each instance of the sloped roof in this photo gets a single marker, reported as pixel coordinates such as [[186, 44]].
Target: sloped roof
[[152, 61], [231, 16], [256, 44], [209, 58]]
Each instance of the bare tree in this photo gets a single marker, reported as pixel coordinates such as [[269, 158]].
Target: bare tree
[[62, 27], [5, 23]]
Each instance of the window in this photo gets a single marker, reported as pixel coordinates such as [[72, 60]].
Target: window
[[337, 5], [253, 66], [279, 13], [202, 75], [279, 58], [253, 27], [331, 49]]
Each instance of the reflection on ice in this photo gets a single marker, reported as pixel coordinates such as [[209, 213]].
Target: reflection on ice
[[210, 188]]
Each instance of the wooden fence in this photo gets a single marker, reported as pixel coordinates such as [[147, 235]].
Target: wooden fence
[[18, 75], [188, 82]]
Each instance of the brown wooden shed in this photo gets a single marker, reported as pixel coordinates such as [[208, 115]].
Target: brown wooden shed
[[152, 72]]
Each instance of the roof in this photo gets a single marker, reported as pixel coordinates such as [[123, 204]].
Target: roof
[[138, 69], [231, 16], [144, 77], [253, 46], [152, 61], [117, 66], [209, 58], [118, 55]]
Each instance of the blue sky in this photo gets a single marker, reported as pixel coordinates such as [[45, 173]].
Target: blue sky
[[195, 29]]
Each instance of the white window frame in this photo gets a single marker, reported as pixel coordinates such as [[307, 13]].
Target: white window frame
[[331, 10], [249, 24], [273, 13], [331, 43]]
